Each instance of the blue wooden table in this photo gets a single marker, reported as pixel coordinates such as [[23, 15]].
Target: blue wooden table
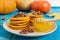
[[4, 35]]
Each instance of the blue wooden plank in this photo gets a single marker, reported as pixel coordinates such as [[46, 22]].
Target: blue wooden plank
[[4, 35]]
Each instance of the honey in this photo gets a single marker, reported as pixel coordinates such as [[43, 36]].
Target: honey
[[43, 26]]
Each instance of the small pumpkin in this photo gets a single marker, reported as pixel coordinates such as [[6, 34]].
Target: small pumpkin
[[42, 6], [24, 4], [35, 5], [45, 6], [7, 6]]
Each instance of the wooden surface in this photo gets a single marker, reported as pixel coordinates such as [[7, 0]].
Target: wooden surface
[[4, 35]]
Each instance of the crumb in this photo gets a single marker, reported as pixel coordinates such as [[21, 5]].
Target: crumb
[[3, 18]]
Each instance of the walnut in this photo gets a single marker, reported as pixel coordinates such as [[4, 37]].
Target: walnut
[[24, 31], [20, 14], [3, 17]]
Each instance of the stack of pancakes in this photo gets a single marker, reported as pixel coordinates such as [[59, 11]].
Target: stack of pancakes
[[34, 15], [19, 21]]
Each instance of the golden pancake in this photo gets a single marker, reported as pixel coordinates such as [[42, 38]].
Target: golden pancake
[[20, 18], [17, 27], [19, 24], [31, 14]]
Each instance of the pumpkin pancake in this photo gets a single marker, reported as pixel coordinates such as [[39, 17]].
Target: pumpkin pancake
[[19, 22], [17, 27], [20, 16], [35, 14]]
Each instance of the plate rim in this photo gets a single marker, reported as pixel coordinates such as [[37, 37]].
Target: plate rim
[[4, 26]]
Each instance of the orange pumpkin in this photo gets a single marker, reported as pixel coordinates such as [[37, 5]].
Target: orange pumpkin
[[45, 6], [42, 6], [35, 5], [7, 6]]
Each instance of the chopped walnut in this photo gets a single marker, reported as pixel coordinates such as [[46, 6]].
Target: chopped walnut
[[20, 14], [27, 30], [40, 13], [3, 18], [24, 31], [30, 29], [37, 13]]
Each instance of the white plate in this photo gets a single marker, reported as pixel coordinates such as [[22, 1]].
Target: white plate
[[5, 26]]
